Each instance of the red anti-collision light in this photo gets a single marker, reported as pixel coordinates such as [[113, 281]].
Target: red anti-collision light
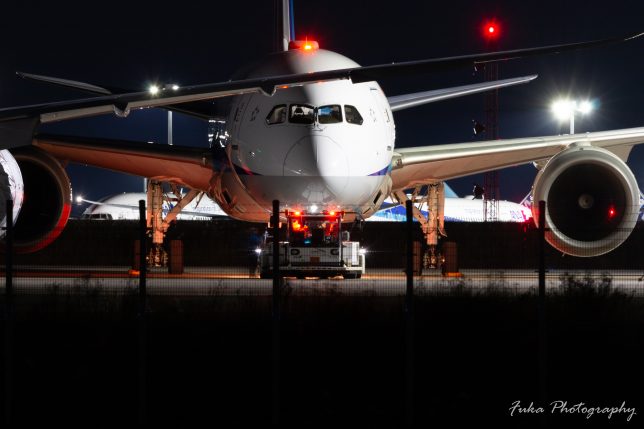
[[491, 30], [304, 45]]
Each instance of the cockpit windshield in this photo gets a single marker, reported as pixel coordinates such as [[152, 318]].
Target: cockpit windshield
[[277, 115], [353, 116], [301, 114], [329, 114], [308, 115]]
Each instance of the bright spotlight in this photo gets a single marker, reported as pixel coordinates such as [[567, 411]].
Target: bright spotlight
[[175, 87], [79, 199], [585, 107], [153, 89], [565, 110], [562, 109]]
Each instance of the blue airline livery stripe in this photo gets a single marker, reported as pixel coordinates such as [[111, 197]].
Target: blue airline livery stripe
[[247, 172], [382, 172]]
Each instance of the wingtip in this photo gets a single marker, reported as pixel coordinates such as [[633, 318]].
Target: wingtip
[[634, 36]]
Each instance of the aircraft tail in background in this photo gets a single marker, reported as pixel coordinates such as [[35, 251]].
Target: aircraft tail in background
[[284, 24]]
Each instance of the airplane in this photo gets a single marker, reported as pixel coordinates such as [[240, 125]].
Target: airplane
[[312, 128], [457, 209], [125, 206]]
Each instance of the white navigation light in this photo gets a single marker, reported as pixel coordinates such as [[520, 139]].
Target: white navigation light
[[79, 199], [175, 87], [153, 89]]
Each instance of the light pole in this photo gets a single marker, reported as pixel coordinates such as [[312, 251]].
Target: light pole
[[567, 109]]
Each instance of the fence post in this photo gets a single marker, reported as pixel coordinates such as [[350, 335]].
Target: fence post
[[409, 319], [541, 309], [141, 316], [275, 220], [8, 326]]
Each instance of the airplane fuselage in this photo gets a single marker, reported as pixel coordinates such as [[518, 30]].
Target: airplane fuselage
[[321, 146]]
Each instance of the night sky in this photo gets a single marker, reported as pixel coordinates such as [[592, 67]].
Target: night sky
[[131, 44]]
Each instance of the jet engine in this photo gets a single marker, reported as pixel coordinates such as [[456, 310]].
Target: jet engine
[[42, 195], [592, 200]]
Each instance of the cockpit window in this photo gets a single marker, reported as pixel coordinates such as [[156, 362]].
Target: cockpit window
[[277, 115], [330, 114], [302, 114], [352, 115]]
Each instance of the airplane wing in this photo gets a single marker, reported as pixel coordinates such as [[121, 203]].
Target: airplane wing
[[400, 102], [186, 166], [18, 124], [202, 109], [421, 165]]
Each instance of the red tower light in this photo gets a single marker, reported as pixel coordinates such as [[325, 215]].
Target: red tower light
[[491, 30]]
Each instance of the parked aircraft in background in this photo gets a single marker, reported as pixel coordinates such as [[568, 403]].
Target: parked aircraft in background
[[125, 206], [457, 209]]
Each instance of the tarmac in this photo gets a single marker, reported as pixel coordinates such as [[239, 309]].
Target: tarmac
[[236, 281]]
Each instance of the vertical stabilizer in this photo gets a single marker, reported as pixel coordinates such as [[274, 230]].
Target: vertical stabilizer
[[284, 24]]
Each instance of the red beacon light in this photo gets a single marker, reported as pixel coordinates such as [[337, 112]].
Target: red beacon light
[[491, 30], [611, 213], [303, 45]]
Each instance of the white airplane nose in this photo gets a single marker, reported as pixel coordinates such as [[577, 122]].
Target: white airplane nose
[[321, 159]]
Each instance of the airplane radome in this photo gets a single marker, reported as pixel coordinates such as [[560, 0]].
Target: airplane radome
[[313, 129]]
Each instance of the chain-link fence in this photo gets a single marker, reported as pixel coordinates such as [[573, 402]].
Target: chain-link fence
[[462, 341]]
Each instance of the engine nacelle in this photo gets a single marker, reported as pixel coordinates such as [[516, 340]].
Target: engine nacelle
[[592, 200], [42, 213]]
